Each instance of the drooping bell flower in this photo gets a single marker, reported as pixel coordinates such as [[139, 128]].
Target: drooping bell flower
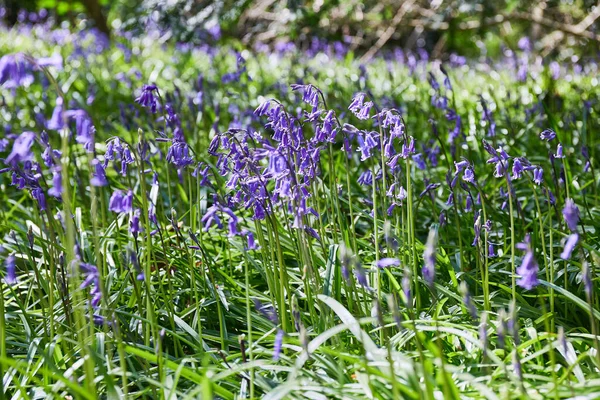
[[529, 267], [571, 214], [569, 246]]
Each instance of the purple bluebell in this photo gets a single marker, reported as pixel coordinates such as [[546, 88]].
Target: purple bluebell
[[15, 71], [548, 135], [57, 121], [251, 242], [38, 194], [120, 203], [361, 276], [85, 130], [387, 262], [469, 175], [365, 178], [98, 174], [517, 169], [267, 311], [179, 154], [571, 214], [477, 229], [428, 269], [133, 259], [408, 148], [277, 344], [91, 277], [538, 176], [529, 267], [147, 99], [491, 251], [134, 223], [359, 107], [21, 150], [11, 270], [569, 246], [310, 94], [559, 151]]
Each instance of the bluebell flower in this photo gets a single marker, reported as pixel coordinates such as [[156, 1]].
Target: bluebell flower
[[429, 257], [15, 71], [147, 99], [277, 344], [365, 178], [548, 135], [134, 223], [91, 278], [98, 175], [529, 267], [517, 169], [571, 214], [559, 151], [387, 262], [11, 270], [569, 246], [38, 194], [538, 176], [21, 150], [469, 175], [491, 251], [419, 162], [267, 311]]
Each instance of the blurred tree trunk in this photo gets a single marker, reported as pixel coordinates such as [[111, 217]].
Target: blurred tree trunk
[[94, 10]]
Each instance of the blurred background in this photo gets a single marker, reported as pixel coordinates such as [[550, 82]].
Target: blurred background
[[472, 28]]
